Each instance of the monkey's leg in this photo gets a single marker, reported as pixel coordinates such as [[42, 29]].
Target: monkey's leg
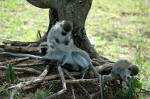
[[63, 83], [64, 60], [83, 71], [81, 61]]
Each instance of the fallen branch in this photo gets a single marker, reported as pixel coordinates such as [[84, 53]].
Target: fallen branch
[[95, 63], [22, 84], [14, 61], [71, 77], [144, 91], [77, 81], [19, 43], [63, 84], [19, 49], [106, 78], [106, 68], [29, 65], [51, 77], [25, 69]]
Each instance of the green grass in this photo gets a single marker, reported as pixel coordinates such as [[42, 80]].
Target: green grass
[[21, 21], [119, 29]]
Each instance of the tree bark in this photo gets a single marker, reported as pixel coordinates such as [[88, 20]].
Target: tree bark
[[75, 11]]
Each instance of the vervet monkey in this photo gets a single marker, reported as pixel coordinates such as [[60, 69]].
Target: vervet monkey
[[60, 33], [124, 69], [78, 59]]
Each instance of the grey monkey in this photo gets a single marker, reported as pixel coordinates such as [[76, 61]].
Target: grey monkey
[[61, 49], [61, 33], [78, 59], [124, 69]]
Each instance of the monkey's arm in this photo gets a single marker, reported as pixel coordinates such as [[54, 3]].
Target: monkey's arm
[[24, 55], [44, 3]]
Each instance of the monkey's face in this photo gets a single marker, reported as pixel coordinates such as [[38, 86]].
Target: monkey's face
[[64, 33]]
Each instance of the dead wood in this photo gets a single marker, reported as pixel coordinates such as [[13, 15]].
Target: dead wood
[[19, 43], [71, 77], [147, 92], [14, 61], [19, 49], [104, 67], [63, 84], [23, 84], [28, 65], [73, 93], [24, 69]]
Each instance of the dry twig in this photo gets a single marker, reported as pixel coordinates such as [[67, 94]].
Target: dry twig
[[63, 84], [23, 84], [29, 65], [14, 61], [24, 69], [73, 93], [19, 49], [71, 77], [19, 43]]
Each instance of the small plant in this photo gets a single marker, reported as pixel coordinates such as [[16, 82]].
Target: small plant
[[2, 89], [10, 74], [40, 94], [130, 93]]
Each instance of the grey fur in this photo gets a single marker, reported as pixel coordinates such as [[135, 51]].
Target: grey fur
[[55, 35]]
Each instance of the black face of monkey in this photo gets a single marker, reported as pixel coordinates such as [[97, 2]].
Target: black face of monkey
[[64, 33], [43, 50]]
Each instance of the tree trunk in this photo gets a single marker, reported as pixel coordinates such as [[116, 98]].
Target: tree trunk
[[75, 11]]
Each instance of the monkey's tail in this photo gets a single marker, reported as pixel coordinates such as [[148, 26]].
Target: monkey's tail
[[100, 77], [24, 55]]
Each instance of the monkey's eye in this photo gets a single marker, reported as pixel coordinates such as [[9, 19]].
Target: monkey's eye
[[64, 33], [57, 41], [43, 50], [128, 77], [129, 69]]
